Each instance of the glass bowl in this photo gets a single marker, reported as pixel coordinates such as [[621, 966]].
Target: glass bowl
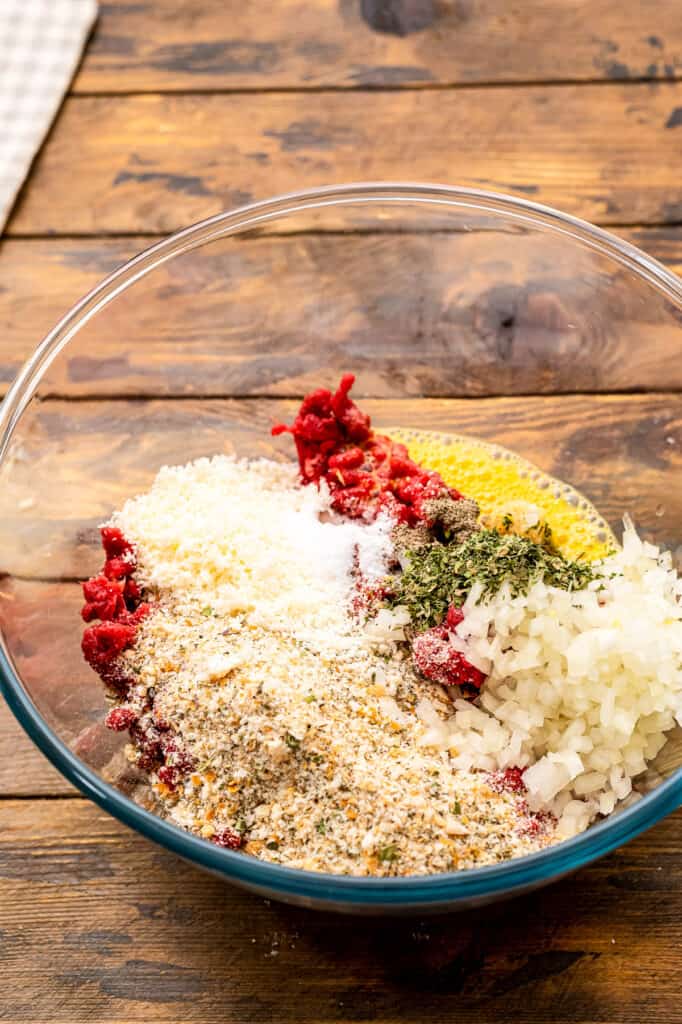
[[434, 297]]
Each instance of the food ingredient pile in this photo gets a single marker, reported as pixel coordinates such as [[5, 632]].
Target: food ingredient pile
[[339, 667]]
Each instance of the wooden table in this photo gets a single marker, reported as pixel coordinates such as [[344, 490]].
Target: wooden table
[[184, 108]]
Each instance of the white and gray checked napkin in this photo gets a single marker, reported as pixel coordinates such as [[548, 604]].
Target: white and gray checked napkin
[[40, 46]]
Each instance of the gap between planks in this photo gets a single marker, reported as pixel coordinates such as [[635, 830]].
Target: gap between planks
[[220, 396], [27, 797], [313, 90], [259, 235]]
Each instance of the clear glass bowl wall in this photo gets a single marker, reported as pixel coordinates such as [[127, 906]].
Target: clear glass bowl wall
[[438, 299]]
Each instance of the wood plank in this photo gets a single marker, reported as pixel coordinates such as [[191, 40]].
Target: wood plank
[[155, 163], [664, 244], [440, 314], [99, 925], [176, 46], [41, 626], [81, 460], [24, 771], [40, 281]]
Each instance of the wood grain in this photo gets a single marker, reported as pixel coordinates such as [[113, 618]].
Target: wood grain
[[24, 771], [440, 314], [165, 161], [81, 460], [291, 44], [99, 925], [42, 627]]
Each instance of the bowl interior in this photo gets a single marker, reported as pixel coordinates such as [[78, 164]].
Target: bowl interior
[[471, 315]]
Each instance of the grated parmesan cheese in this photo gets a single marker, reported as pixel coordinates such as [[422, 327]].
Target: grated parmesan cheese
[[244, 536]]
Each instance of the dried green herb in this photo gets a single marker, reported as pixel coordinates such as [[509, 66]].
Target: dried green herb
[[544, 532], [387, 854], [292, 741], [439, 576]]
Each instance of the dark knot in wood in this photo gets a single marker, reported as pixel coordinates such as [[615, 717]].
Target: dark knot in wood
[[398, 17]]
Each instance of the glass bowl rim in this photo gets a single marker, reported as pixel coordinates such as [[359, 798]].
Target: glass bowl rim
[[413, 891]]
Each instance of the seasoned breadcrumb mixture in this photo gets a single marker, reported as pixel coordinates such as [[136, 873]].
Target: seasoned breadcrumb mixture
[[300, 722]]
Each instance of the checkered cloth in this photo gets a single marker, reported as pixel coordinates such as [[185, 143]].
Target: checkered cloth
[[40, 45]]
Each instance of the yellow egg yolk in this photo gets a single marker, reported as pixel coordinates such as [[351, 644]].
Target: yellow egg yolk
[[508, 487]]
